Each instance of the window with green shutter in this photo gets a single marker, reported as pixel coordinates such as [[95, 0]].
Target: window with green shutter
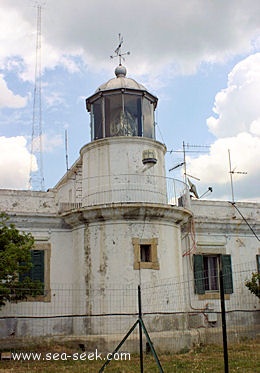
[[37, 270], [198, 274], [206, 273]]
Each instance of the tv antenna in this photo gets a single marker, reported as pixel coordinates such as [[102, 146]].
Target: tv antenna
[[118, 52], [66, 150], [198, 149], [232, 172], [186, 148]]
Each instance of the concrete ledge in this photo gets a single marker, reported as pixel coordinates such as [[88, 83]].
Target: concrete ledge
[[167, 341]]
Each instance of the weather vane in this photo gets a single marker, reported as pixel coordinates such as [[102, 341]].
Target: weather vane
[[118, 52]]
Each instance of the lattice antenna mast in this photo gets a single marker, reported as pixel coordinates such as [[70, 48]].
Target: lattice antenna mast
[[118, 52], [36, 176]]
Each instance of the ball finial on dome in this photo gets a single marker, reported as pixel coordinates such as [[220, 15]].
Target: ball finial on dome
[[120, 71]]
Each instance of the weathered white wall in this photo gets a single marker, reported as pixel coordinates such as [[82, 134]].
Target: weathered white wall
[[219, 221], [219, 227], [113, 171], [23, 201], [110, 249], [68, 189], [110, 265]]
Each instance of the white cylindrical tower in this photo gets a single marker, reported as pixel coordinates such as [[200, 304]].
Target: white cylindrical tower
[[132, 235]]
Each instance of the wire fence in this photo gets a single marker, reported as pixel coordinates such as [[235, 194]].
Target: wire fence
[[175, 317]]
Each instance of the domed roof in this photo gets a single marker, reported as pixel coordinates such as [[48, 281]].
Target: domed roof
[[121, 82]]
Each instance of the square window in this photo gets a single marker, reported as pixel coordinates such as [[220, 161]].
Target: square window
[[145, 253]]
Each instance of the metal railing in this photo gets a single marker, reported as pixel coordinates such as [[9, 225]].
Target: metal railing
[[130, 188]]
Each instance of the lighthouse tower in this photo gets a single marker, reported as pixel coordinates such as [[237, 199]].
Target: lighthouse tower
[[125, 215], [132, 226]]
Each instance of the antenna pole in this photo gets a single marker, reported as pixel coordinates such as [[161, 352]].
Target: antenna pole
[[231, 178], [184, 162], [66, 150]]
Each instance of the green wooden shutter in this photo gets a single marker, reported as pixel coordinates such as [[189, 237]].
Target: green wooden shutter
[[37, 271], [198, 274], [258, 262], [227, 274]]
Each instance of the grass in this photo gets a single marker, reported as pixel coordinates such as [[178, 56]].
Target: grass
[[243, 357]]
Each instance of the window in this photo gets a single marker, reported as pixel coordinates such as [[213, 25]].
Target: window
[[122, 112], [145, 253], [206, 273], [211, 270], [40, 270], [97, 125], [148, 118], [37, 270]]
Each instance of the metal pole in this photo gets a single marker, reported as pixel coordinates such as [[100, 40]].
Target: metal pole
[[140, 330], [231, 179], [151, 346], [184, 161], [118, 347], [223, 317]]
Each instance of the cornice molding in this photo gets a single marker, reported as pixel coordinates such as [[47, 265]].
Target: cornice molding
[[127, 211]]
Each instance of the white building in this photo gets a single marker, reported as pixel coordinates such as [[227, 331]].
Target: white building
[[115, 221]]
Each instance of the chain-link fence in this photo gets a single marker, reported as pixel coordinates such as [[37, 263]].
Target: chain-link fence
[[175, 317]]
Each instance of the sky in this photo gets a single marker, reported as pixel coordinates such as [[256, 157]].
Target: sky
[[201, 58]]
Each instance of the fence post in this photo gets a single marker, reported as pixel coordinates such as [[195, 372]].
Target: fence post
[[223, 317], [140, 330]]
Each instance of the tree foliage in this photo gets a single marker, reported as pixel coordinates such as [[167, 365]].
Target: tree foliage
[[254, 284], [15, 262]]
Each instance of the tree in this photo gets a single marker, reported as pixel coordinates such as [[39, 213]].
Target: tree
[[15, 263], [254, 284]]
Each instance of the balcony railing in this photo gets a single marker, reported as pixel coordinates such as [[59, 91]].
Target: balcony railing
[[129, 189]]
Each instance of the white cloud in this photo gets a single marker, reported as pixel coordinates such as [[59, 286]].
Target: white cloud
[[15, 163], [255, 127], [18, 41], [244, 149], [237, 127], [179, 35], [186, 33], [8, 98], [237, 106], [166, 40]]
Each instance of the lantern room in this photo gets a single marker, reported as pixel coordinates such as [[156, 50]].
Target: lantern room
[[122, 107]]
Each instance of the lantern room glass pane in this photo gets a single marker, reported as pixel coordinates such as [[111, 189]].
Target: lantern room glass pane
[[113, 115], [148, 119], [132, 115], [97, 128], [123, 115]]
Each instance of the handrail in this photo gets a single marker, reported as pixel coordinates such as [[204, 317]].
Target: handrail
[[130, 188]]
